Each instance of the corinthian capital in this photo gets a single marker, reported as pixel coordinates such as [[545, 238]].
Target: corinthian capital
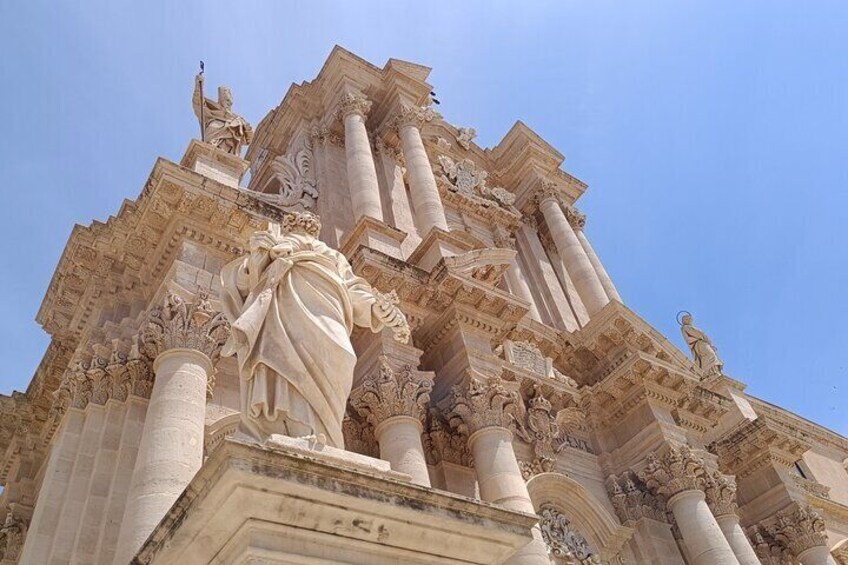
[[799, 529], [676, 471], [416, 116], [720, 491], [388, 393], [547, 190], [575, 217], [354, 103], [480, 403], [180, 325]]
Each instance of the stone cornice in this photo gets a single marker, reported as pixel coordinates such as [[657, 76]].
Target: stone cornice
[[759, 443], [815, 432]]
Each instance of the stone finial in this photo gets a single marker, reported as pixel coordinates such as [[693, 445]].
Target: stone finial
[[464, 137], [676, 471], [387, 393], [720, 491], [798, 530], [576, 218], [416, 116], [178, 324], [479, 403], [354, 103]]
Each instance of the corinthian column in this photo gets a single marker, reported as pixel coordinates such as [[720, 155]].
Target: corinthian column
[[395, 403], [485, 410], [361, 173], [720, 494], [426, 201], [578, 222], [802, 531], [677, 477], [184, 340], [569, 248]]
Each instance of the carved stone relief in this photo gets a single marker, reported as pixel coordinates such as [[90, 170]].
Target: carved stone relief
[[292, 187]]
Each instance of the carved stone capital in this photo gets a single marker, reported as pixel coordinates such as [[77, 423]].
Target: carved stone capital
[[547, 190], [633, 500], [415, 116], [441, 443], [798, 530], [388, 393], [576, 218], [181, 325], [480, 403], [720, 491], [676, 471], [354, 103]]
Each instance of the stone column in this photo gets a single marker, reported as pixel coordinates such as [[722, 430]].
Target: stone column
[[361, 172], [578, 222], [676, 477], [572, 253], [183, 339], [802, 531], [515, 276], [485, 409], [720, 494], [426, 201], [395, 404]]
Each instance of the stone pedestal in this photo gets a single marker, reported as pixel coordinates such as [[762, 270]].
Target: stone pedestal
[[171, 449], [211, 162], [289, 501], [376, 235]]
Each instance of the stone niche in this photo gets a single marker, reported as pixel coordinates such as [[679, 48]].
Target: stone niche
[[292, 501]]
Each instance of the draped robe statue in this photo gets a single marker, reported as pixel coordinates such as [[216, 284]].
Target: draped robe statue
[[703, 351], [292, 304], [222, 127]]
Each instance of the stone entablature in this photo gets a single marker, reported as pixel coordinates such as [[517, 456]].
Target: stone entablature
[[759, 443]]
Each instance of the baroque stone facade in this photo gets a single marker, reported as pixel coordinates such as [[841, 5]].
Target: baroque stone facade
[[521, 378]]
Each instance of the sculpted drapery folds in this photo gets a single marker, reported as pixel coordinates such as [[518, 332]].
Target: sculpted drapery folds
[[222, 127], [293, 303], [705, 354]]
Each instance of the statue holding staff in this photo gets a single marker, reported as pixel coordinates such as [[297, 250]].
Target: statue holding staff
[[220, 126]]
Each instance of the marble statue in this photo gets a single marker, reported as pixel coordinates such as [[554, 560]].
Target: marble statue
[[292, 303], [704, 352], [222, 127]]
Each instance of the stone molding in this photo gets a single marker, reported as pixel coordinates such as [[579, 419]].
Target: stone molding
[[354, 103], [676, 471], [181, 325], [387, 393], [479, 403]]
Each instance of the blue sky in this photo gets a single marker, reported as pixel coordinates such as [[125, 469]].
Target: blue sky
[[712, 135]]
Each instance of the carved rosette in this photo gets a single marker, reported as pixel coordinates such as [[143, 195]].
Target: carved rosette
[[354, 103], [388, 393], [720, 491], [181, 325], [676, 471], [576, 218], [480, 403], [565, 544], [633, 500], [416, 116], [798, 530]]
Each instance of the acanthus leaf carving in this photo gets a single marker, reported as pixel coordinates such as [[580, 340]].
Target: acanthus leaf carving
[[292, 186], [181, 325], [388, 393], [566, 545], [480, 403]]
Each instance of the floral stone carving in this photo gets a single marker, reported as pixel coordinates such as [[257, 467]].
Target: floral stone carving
[[565, 544], [390, 393], [293, 185]]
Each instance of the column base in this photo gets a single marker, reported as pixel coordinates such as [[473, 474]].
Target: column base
[[231, 513], [375, 234], [435, 246]]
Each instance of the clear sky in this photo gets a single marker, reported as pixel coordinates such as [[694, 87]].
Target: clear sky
[[713, 136]]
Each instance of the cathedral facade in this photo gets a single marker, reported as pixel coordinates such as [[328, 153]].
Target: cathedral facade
[[389, 345]]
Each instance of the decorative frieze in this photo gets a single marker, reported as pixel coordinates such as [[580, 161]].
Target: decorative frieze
[[387, 393], [480, 403], [181, 325], [676, 471], [565, 544]]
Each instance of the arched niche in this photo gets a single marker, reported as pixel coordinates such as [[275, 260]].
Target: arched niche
[[585, 512]]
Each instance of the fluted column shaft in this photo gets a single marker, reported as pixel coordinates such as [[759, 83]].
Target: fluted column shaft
[[171, 448], [572, 253], [426, 201], [739, 542], [399, 438], [604, 277], [361, 171], [704, 538]]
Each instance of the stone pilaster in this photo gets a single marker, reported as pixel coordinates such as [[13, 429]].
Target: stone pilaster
[[395, 404], [185, 340], [361, 172]]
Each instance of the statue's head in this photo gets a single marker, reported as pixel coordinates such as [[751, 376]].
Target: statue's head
[[305, 223], [225, 97], [686, 320]]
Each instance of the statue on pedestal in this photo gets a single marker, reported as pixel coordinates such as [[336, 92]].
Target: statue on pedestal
[[220, 126], [292, 304], [704, 353]]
